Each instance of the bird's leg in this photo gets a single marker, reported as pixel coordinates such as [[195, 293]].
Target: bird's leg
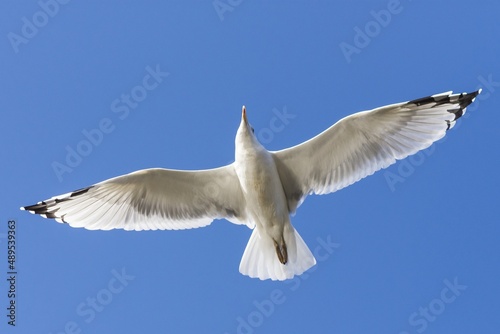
[[281, 250]]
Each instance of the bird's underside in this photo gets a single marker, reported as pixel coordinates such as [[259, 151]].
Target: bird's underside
[[351, 149]]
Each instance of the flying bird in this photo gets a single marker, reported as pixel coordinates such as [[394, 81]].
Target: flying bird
[[262, 188]]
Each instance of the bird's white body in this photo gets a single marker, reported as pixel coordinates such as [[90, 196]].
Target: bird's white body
[[264, 196], [262, 188], [266, 205]]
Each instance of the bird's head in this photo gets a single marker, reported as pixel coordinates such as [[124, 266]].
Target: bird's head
[[244, 120], [245, 135]]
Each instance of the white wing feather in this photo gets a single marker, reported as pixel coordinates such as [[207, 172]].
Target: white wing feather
[[362, 143], [151, 199]]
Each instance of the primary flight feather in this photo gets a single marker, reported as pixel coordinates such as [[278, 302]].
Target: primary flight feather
[[262, 188]]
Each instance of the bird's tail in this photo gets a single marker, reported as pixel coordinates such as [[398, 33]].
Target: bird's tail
[[260, 259]]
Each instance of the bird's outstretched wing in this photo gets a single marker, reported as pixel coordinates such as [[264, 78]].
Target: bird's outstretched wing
[[362, 143], [151, 199]]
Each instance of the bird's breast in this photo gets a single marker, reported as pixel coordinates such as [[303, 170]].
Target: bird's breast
[[262, 188]]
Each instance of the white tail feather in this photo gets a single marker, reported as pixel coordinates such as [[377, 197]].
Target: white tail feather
[[260, 259]]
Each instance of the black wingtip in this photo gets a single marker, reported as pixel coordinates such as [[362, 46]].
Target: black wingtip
[[459, 102], [38, 208], [467, 98], [48, 208], [463, 99]]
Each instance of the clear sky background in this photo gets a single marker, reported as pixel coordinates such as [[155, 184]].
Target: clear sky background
[[412, 249]]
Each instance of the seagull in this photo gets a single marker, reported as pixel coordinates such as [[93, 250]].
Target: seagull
[[262, 189]]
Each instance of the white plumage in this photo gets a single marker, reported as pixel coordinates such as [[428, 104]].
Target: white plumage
[[262, 188]]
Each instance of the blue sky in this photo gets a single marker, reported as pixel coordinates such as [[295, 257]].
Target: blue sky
[[412, 249]]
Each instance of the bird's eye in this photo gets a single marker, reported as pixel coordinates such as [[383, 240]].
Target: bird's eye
[[253, 131]]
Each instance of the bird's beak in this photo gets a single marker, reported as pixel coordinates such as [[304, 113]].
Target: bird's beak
[[244, 114]]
